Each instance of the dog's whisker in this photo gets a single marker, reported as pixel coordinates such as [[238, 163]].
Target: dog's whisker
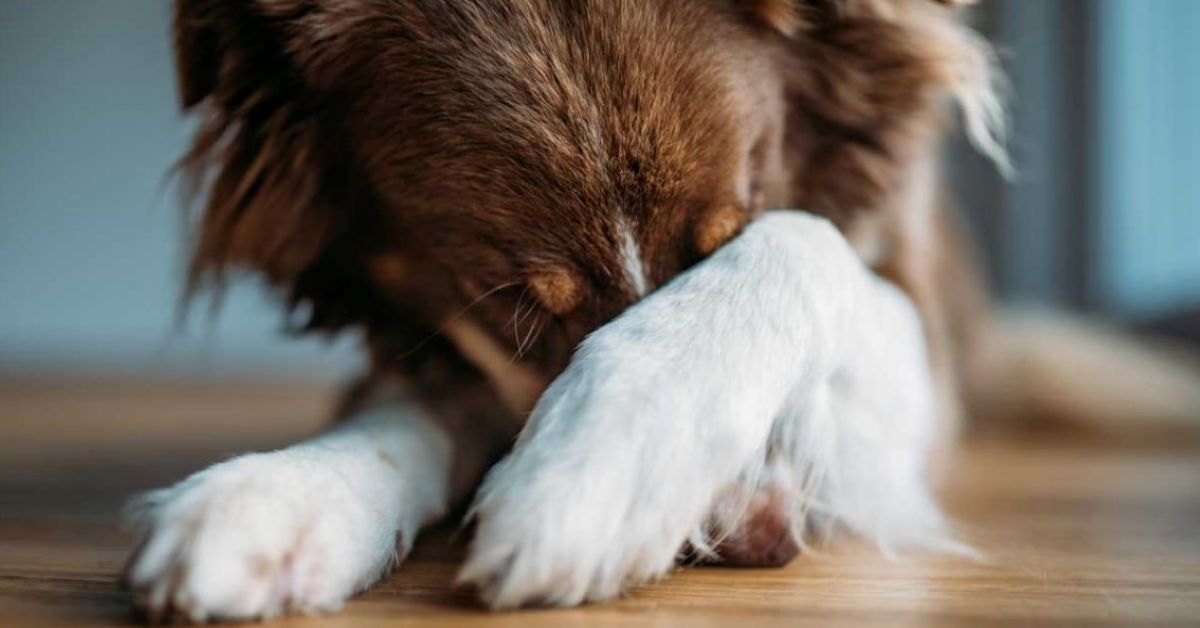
[[455, 317], [535, 331], [514, 321], [521, 345], [517, 317], [532, 307]]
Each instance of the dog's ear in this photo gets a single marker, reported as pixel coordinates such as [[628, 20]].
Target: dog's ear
[[261, 159], [871, 76]]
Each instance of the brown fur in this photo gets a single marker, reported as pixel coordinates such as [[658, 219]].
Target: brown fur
[[451, 176]]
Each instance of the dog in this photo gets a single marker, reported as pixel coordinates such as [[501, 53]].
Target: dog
[[584, 207]]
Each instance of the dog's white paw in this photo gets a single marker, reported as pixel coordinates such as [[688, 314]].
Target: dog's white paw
[[252, 538], [592, 501], [544, 540]]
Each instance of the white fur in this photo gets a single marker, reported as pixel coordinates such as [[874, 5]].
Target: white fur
[[631, 260], [300, 529], [780, 361], [781, 346]]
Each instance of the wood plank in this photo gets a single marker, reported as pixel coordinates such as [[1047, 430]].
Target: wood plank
[[1075, 532]]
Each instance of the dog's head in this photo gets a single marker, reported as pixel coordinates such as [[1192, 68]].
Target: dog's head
[[514, 173]]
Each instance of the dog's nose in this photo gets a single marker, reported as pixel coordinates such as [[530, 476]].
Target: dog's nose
[[764, 535]]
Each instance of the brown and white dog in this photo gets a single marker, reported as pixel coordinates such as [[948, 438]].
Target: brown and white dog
[[478, 185]]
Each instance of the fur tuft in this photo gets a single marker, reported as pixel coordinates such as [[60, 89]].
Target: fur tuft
[[973, 77], [980, 89]]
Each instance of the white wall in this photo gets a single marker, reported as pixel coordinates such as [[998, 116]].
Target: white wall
[[90, 252]]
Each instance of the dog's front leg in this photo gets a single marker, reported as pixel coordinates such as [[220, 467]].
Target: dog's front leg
[[676, 399], [298, 529]]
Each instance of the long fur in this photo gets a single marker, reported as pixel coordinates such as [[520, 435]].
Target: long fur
[[834, 392]]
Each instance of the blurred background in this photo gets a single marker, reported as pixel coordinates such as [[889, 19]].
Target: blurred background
[[1104, 215], [91, 247]]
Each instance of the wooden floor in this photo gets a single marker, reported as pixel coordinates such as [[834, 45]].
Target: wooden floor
[[1076, 533]]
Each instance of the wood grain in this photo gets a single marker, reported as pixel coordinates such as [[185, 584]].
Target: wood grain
[[1075, 533]]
